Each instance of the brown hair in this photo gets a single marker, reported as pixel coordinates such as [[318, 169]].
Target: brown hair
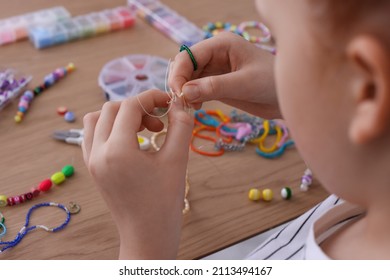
[[345, 18]]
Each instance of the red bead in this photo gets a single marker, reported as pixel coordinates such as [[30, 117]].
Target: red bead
[[35, 191], [10, 201], [28, 196], [45, 185], [18, 199]]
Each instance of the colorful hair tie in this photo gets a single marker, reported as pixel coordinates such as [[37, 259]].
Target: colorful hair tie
[[254, 24], [187, 49], [26, 228], [276, 153]]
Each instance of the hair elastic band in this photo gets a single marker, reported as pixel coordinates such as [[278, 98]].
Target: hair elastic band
[[187, 49]]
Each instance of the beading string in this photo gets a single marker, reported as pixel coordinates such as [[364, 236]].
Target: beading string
[[26, 228]]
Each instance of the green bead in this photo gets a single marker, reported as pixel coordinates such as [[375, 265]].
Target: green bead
[[68, 170], [58, 178], [2, 220], [286, 193]]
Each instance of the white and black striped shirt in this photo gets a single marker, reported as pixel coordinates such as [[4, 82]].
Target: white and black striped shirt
[[301, 238]]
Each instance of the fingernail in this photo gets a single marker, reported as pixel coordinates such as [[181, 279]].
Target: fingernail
[[191, 93]]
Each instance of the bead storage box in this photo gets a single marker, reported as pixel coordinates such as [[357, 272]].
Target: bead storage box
[[178, 28], [127, 76], [16, 28], [11, 84], [46, 35]]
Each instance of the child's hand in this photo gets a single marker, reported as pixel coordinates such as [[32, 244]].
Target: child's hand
[[230, 69], [143, 190]]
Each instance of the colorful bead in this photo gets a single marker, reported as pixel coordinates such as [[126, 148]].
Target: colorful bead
[[57, 178], [35, 191], [62, 110], [69, 116], [68, 170], [286, 193], [306, 181], [254, 194], [28, 196], [45, 185], [10, 201], [267, 194], [3, 201]]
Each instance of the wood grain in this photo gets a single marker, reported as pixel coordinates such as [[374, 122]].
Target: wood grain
[[220, 215]]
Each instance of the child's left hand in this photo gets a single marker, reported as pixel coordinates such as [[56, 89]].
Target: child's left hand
[[143, 190]]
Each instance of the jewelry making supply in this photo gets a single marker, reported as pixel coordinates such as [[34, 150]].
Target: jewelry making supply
[[267, 194], [26, 228], [307, 180], [2, 226], [62, 110], [44, 186], [254, 194], [11, 83], [49, 80], [188, 50], [241, 28], [286, 193], [69, 117], [276, 153], [212, 29], [144, 143], [73, 207]]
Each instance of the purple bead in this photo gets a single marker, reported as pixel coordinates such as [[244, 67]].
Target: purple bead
[[69, 116], [29, 94], [307, 179]]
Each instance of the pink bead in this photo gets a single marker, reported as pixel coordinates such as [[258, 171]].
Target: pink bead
[[24, 104], [35, 191], [18, 199], [10, 201], [28, 196], [45, 185]]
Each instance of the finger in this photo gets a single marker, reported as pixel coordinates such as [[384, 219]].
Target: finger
[[106, 120], [131, 113], [215, 87], [177, 141], [152, 123], [89, 122]]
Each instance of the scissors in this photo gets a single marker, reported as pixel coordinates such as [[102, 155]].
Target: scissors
[[76, 136]]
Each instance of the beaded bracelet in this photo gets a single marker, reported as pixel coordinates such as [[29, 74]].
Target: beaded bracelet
[[254, 24], [57, 179], [212, 29], [26, 228], [153, 141]]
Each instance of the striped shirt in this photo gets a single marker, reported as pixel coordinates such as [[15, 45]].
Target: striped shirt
[[301, 238]]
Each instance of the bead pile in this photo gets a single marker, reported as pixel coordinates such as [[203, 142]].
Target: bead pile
[[11, 83], [44, 186], [49, 80], [26, 228], [242, 129]]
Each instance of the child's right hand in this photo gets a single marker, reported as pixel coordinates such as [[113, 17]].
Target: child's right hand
[[231, 70]]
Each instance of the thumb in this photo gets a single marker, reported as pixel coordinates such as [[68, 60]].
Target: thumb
[[179, 134], [213, 87]]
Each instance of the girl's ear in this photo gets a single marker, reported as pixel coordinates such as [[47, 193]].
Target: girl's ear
[[370, 87]]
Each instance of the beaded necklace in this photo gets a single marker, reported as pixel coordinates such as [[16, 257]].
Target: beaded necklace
[[57, 179], [26, 228]]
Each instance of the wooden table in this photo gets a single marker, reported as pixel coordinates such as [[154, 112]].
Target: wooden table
[[220, 215]]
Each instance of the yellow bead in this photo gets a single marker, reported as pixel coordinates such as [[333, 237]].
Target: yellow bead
[[58, 178], [254, 194], [3, 201], [268, 195], [18, 119], [219, 24]]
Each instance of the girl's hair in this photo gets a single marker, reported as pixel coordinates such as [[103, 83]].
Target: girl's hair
[[345, 18]]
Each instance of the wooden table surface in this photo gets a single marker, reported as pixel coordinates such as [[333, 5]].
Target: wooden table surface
[[221, 214]]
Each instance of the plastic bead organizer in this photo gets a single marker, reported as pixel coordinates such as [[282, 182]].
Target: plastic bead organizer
[[16, 28], [46, 35], [127, 76], [178, 28]]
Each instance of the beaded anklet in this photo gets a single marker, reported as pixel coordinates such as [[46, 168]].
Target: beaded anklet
[[57, 178], [26, 228]]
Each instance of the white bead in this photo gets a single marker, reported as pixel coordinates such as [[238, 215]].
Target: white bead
[[308, 172], [304, 187]]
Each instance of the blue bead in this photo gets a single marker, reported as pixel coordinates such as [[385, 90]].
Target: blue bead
[[69, 117]]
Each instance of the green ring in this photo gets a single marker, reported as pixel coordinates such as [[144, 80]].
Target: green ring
[[187, 49]]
